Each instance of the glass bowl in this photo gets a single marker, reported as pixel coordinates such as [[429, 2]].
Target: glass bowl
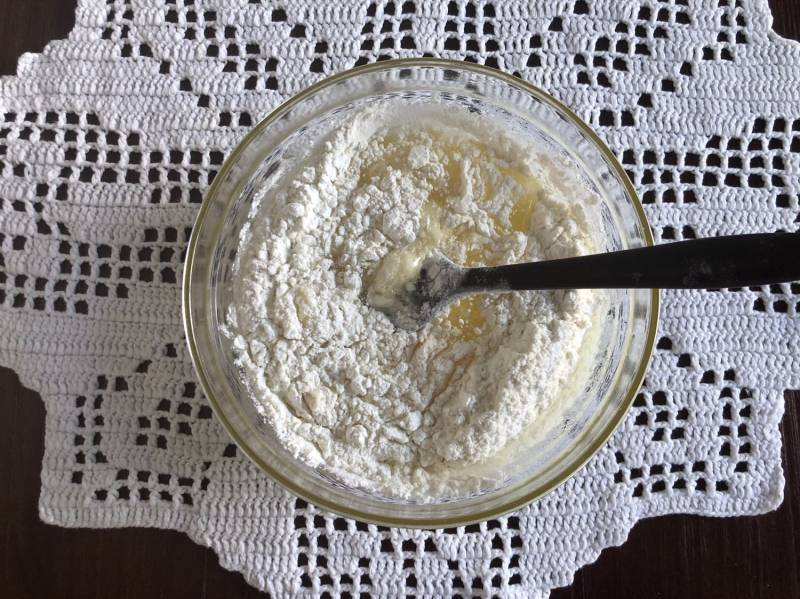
[[627, 331]]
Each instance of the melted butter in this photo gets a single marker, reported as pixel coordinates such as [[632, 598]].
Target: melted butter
[[527, 193], [466, 317], [401, 266], [520, 217], [474, 257]]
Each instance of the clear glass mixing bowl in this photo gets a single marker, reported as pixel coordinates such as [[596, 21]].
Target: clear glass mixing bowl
[[627, 330]]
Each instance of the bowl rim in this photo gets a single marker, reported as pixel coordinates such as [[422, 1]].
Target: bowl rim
[[404, 521]]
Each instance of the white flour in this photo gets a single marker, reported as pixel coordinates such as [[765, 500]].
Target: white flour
[[408, 414]]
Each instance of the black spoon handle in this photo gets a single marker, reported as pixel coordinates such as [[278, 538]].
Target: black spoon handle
[[731, 261]]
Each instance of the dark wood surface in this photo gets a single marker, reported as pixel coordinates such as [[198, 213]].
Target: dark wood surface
[[675, 556]]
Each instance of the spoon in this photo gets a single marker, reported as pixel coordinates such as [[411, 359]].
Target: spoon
[[716, 262]]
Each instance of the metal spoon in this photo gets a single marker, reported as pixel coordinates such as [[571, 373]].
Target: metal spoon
[[717, 262]]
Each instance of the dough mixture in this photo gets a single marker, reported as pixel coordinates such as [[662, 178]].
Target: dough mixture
[[411, 415]]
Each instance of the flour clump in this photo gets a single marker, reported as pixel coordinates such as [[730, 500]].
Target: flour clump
[[398, 413]]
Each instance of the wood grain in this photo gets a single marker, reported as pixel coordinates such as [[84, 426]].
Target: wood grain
[[786, 18], [27, 25], [674, 556]]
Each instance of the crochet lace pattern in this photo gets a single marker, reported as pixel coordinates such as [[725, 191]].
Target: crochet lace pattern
[[109, 139]]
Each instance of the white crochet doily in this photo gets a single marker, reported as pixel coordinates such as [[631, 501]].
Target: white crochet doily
[[109, 139]]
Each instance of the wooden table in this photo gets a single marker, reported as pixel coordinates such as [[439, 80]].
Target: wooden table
[[675, 556]]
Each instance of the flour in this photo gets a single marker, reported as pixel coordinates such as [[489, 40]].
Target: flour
[[408, 414]]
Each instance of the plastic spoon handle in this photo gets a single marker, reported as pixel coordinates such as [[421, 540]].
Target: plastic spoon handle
[[715, 262]]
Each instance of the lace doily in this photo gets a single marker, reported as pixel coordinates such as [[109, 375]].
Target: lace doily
[[109, 139]]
